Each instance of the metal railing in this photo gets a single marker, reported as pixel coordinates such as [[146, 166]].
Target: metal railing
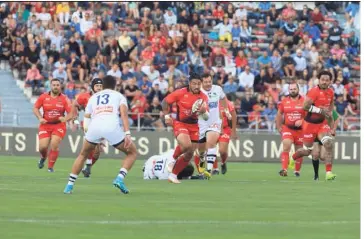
[[9, 117]]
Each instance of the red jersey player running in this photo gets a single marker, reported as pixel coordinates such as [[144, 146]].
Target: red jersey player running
[[52, 128], [80, 104], [228, 132], [185, 125], [291, 129], [318, 122]]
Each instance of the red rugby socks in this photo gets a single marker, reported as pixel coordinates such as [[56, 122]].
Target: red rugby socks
[[52, 158]]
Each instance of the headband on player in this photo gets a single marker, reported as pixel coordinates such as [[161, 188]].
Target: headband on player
[[94, 82]]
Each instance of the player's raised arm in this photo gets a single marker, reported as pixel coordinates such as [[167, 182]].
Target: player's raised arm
[[39, 104]]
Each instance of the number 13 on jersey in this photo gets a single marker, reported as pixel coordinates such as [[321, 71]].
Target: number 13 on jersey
[[103, 99]]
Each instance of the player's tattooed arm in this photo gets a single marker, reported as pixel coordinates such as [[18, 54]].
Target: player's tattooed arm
[[165, 106], [307, 104]]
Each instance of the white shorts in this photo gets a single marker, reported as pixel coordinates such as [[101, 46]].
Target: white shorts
[[96, 133], [204, 128]]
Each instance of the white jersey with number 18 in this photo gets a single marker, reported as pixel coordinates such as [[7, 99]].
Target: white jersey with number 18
[[156, 166]]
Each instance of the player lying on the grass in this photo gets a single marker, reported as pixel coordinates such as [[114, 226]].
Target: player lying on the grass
[[191, 104], [228, 132], [291, 129], [156, 167], [318, 122], [209, 130], [102, 122], [80, 104], [52, 127], [318, 152]]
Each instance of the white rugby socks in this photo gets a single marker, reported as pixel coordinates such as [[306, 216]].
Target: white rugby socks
[[211, 157]]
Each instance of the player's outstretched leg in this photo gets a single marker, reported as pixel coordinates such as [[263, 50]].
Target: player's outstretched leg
[[328, 143], [215, 168], [77, 165], [187, 147], [131, 155], [223, 149], [298, 162], [287, 143], [316, 152], [43, 150], [176, 154], [87, 168], [299, 154], [54, 152]]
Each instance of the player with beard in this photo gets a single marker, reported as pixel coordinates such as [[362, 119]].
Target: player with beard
[[210, 130], [52, 128], [80, 104], [318, 123], [290, 127], [185, 125]]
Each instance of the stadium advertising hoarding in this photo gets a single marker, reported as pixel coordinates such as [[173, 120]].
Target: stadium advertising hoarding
[[249, 147]]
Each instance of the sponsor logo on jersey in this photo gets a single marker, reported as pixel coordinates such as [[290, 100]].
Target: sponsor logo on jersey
[[294, 116], [226, 136], [213, 105], [308, 136]]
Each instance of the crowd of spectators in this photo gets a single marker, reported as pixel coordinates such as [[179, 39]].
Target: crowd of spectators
[[252, 50]]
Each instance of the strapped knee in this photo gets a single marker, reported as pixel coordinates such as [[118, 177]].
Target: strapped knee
[[326, 139], [308, 148]]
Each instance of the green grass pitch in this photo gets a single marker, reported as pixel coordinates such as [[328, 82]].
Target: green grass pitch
[[250, 201]]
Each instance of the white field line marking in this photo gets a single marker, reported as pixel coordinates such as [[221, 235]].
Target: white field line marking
[[169, 222]]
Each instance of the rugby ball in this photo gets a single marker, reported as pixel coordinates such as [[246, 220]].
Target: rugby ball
[[196, 105]]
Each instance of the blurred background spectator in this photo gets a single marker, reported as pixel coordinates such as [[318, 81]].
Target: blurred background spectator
[[253, 50]]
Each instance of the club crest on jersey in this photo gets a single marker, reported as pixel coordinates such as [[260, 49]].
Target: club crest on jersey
[[212, 95]]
